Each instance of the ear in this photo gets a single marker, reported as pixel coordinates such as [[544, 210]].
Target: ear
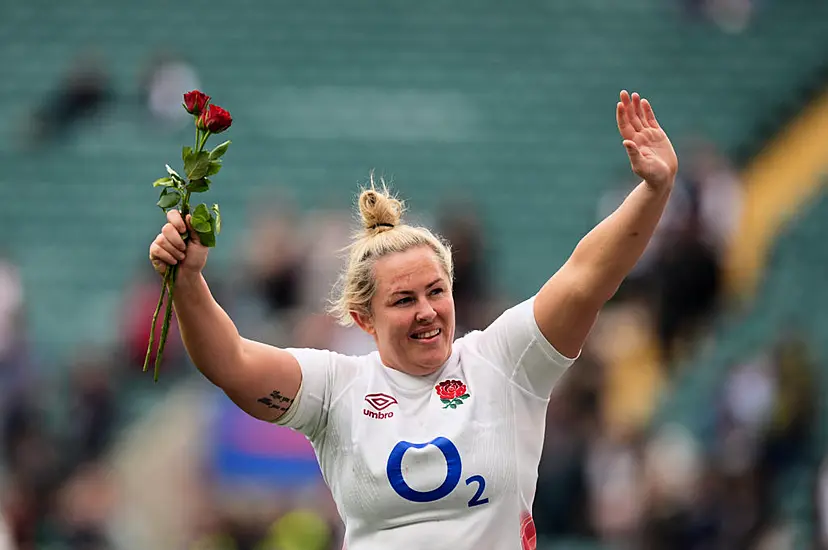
[[364, 321]]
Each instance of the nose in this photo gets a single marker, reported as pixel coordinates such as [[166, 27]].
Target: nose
[[425, 313]]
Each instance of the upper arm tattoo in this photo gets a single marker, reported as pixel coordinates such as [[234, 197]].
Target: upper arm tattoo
[[275, 400]]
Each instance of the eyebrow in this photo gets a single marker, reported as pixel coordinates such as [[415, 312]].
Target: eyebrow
[[408, 292]]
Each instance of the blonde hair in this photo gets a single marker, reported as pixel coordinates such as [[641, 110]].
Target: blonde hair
[[382, 233]]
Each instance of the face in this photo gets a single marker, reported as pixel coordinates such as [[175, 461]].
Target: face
[[412, 312]]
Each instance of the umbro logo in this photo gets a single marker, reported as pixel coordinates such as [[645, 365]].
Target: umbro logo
[[380, 402]]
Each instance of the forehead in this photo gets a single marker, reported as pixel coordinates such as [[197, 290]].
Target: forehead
[[407, 270]]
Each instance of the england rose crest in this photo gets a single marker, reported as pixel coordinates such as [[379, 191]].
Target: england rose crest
[[452, 393]]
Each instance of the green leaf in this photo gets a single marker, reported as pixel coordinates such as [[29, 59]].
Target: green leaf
[[199, 185], [185, 153], [217, 217], [169, 198], [163, 182], [208, 239], [464, 396], [453, 406], [197, 166], [215, 166], [219, 150], [201, 219], [211, 240], [446, 400], [205, 225]]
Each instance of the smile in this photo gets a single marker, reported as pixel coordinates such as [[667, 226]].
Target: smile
[[426, 335]]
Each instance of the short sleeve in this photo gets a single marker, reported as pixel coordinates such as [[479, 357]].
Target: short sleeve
[[309, 412], [516, 346]]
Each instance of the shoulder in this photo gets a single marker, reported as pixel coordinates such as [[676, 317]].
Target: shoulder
[[316, 358]]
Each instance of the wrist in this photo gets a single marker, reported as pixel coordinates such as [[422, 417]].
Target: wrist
[[187, 279], [660, 186]]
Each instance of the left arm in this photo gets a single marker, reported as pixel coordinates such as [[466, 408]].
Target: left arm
[[568, 304]]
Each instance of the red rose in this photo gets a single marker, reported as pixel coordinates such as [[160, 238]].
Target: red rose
[[195, 102], [215, 120], [451, 389]]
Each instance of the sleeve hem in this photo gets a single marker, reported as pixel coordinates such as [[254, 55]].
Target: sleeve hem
[[550, 350], [290, 414]]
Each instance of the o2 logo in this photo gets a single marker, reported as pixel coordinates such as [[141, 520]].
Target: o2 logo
[[453, 472]]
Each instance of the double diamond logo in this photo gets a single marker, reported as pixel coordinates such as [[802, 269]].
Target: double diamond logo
[[380, 401]]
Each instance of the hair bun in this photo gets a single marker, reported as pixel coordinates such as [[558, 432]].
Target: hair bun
[[380, 210]]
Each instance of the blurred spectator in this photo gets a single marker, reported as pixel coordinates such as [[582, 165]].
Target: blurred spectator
[[269, 288], [459, 225], [573, 423], [15, 366], [822, 504], [83, 505], [81, 94], [92, 409], [681, 272], [163, 82], [732, 16]]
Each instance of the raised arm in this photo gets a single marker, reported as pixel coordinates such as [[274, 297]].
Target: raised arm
[[568, 304], [262, 380]]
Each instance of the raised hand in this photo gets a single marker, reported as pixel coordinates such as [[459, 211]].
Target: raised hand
[[169, 248], [652, 156]]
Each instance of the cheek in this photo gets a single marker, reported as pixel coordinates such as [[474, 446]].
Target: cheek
[[446, 309]]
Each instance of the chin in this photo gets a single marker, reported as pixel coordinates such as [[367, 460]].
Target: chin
[[430, 362]]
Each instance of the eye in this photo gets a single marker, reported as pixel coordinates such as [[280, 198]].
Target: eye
[[436, 291], [402, 301]]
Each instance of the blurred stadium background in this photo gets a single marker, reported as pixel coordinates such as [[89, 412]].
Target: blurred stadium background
[[693, 419]]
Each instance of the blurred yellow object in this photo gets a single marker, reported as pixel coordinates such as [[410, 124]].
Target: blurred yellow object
[[298, 530], [783, 177]]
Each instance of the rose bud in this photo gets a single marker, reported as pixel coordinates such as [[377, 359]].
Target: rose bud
[[215, 120], [195, 102]]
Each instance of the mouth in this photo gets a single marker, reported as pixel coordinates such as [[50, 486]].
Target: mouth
[[426, 336]]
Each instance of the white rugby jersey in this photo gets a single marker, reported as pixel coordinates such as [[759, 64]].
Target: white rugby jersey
[[444, 461]]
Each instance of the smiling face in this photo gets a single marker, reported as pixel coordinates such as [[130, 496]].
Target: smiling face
[[412, 311]]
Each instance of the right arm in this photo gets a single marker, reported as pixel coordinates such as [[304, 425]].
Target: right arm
[[260, 379]]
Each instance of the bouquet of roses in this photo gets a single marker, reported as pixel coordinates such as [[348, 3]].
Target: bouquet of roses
[[176, 190]]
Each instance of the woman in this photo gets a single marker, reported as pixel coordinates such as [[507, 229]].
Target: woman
[[428, 439]]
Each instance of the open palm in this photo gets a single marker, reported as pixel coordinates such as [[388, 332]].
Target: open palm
[[652, 156]]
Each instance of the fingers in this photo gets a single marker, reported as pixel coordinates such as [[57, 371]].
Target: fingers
[[166, 244], [159, 252], [630, 112], [174, 239], [649, 114], [639, 111], [621, 118], [174, 217]]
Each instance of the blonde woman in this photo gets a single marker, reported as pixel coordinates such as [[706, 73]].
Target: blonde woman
[[430, 440]]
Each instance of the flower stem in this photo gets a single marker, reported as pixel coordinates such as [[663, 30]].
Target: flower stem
[[169, 279], [155, 319], [203, 141], [169, 285], [165, 328]]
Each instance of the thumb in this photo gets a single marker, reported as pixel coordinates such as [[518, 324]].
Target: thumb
[[193, 235], [632, 149]]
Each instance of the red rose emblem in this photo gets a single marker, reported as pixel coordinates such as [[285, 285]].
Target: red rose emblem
[[215, 120], [528, 534], [195, 102], [452, 393], [450, 389]]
